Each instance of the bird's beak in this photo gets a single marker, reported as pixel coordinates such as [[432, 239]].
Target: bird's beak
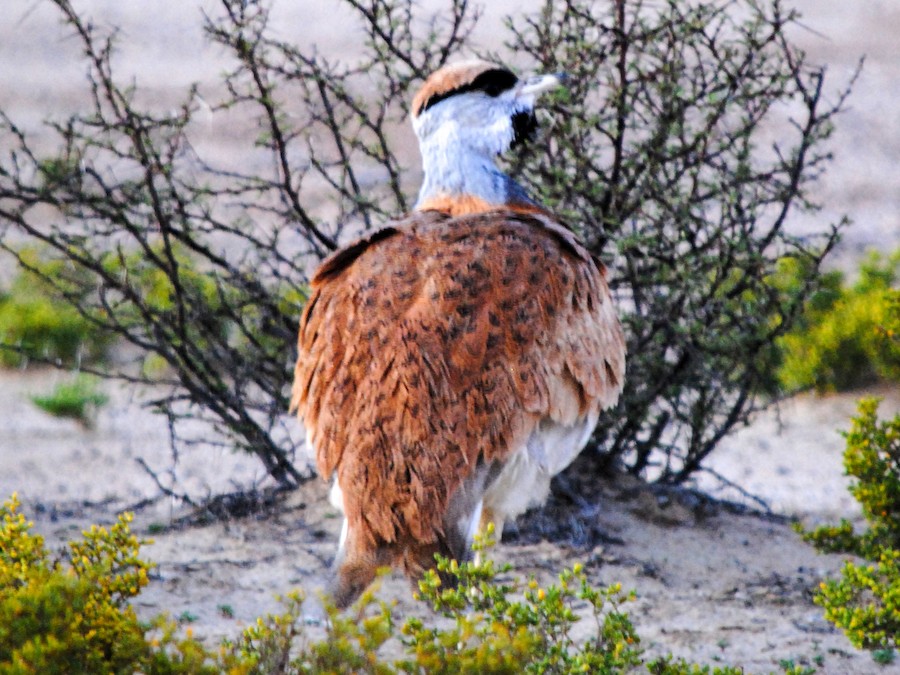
[[539, 84]]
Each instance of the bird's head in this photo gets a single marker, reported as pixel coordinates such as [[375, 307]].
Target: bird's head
[[478, 107]]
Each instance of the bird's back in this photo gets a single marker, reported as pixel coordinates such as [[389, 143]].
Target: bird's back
[[430, 353]]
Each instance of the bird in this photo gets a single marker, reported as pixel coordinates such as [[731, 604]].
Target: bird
[[453, 361]]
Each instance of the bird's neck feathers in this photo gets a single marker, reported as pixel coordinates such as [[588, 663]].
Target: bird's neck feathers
[[459, 180]]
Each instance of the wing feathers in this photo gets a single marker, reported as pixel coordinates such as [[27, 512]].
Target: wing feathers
[[343, 258], [436, 346]]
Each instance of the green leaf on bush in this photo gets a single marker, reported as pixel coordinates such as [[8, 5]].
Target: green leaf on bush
[[865, 600]]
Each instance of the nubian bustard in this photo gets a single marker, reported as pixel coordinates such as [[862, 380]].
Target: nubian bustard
[[455, 360]]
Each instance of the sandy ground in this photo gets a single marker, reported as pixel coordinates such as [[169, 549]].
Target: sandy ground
[[714, 583]]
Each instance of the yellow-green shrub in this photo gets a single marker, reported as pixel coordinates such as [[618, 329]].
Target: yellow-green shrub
[[74, 616], [865, 601], [37, 322], [840, 340]]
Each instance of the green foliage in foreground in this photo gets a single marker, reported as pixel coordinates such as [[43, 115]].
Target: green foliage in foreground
[[490, 626], [77, 399], [843, 338], [865, 601], [74, 616]]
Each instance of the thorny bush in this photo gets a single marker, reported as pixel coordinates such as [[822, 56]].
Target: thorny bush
[[661, 156]]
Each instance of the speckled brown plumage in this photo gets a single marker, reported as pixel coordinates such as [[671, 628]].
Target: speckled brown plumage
[[432, 349]]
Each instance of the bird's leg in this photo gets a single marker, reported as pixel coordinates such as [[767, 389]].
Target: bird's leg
[[355, 568]]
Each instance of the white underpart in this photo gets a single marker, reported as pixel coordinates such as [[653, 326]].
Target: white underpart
[[524, 481], [336, 497]]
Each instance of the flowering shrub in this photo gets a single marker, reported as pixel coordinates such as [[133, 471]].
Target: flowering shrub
[[865, 601], [844, 337], [73, 616]]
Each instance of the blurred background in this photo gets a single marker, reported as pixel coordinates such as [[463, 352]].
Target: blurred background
[[162, 50]]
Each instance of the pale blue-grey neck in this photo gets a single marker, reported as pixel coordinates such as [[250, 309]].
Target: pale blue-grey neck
[[449, 174]]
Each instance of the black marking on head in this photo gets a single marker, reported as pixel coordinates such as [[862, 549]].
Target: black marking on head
[[524, 127], [492, 82]]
